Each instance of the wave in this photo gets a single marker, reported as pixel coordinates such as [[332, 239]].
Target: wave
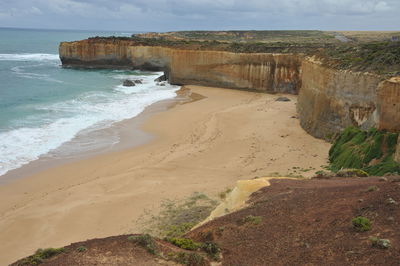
[[29, 57], [19, 70], [85, 113]]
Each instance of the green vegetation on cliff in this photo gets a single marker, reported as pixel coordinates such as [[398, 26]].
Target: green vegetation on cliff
[[372, 151], [380, 57]]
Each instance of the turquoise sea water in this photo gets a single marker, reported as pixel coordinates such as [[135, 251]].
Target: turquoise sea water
[[43, 105]]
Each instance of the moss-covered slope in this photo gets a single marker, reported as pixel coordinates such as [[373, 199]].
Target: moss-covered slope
[[371, 151]]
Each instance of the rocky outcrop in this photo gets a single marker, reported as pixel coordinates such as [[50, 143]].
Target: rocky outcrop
[[128, 83], [329, 99]]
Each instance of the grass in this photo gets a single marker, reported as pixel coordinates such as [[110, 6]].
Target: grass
[[361, 224], [371, 151], [40, 255], [177, 217]]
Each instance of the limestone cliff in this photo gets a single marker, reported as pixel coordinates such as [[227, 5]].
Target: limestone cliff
[[329, 99], [263, 72]]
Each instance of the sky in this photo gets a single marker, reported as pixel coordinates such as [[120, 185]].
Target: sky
[[171, 15]]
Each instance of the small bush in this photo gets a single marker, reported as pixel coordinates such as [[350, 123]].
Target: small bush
[[380, 243], [225, 193], [372, 188], [252, 219], [81, 249], [145, 241], [184, 243], [211, 249], [192, 259], [361, 224]]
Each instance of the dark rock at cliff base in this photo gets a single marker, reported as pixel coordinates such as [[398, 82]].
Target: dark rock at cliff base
[[128, 83], [160, 84], [282, 99], [161, 78], [138, 81]]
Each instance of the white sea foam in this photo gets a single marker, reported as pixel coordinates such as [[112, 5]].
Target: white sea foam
[[92, 110], [19, 70], [29, 57]]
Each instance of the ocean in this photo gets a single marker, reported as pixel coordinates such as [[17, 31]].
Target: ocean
[[44, 107]]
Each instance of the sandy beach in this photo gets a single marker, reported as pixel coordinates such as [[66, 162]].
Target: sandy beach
[[202, 146]]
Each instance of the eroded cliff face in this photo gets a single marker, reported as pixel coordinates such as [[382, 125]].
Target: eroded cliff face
[[114, 53], [263, 72], [329, 99]]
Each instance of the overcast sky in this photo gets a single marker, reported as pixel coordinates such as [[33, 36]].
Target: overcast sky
[[169, 15]]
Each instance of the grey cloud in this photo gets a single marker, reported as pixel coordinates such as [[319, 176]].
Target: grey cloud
[[159, 15]]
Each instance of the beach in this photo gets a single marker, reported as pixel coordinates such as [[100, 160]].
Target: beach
[[202, 146]]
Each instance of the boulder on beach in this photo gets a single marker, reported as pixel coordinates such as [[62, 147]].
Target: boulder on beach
[[282, 99], [128, 83], [161, 78]]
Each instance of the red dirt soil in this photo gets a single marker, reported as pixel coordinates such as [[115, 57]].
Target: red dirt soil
[[309, 223]]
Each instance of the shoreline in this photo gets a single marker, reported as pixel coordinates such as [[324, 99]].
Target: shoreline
[[204, 146], [128, 131]]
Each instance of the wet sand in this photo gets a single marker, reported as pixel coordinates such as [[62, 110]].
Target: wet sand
[[202, 146]]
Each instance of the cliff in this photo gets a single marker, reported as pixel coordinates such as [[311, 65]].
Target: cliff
[[263, 72], [329, 99]]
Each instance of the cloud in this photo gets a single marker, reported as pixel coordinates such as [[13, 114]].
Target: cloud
[[205, 14]]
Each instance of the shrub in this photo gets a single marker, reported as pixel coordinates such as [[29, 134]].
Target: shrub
[[145, 241], [252, 219], [372, 188], [212, 249], [380, 243], [184, 243], [81, 249], [225, 193], [361, 224], [192, 259]]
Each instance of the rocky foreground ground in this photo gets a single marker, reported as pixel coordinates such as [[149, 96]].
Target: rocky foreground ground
[[291, 222]]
